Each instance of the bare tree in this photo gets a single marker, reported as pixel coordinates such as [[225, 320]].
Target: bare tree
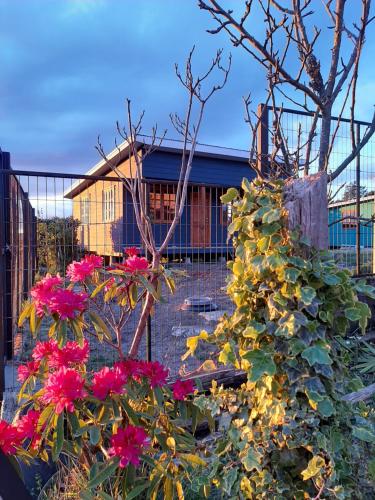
[[290, 35], [199, 91]]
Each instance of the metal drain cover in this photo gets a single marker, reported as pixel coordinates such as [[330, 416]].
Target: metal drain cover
[[199, 304]]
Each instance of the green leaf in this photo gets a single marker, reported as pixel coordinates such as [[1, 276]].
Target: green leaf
[[315, 465], [364, 434], [246, 186], [254, 329], [317, 353], [99, 325], [272, 215], [94, 432], [352, 313], [238, 268], [229, 196], [261, 363], [263, 244], [307, 295], [291, 274], [58, 437], [99, 288], [25, 313], [270, 229], [105, 473], [331, 279], [326, 408], [136, 491], [251, 460]]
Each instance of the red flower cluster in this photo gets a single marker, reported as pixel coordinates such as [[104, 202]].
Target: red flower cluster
[[27, 370], [12, 436], [79, 271], [43, 290], [10, 439], [64, 303], [108, 381], [131, 251], [181, 388], [153, 371], [62, 388], [133, 264], [70, 354], [128, 444]]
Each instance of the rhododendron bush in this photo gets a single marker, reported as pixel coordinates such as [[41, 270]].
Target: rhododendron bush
[[122, 422]]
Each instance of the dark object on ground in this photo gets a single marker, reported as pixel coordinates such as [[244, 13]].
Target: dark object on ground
[[199, 304]]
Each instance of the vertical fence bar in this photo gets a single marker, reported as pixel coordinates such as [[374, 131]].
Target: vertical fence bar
[[2, 283], [358, 203]]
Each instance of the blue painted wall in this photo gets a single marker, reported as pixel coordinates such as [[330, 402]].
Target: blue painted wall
[[340, 236], [208, 171]]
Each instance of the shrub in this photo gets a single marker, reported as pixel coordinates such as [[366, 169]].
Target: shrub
[[122, 424], [286, 432]]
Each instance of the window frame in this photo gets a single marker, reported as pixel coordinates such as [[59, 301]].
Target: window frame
[[109, 204], [167, 202], [84, 210]]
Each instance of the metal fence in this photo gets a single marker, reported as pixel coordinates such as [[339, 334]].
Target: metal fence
[[351, 195], [67, 222]]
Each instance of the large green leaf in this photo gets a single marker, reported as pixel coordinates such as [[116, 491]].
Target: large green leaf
[[261, 363], [314, 467], [318, 353], [229, 196]]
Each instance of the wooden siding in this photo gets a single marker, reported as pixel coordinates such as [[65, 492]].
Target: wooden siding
[[105, 237], [206, 170]]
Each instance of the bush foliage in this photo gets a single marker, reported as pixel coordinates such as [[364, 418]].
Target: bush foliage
[[288, 432]]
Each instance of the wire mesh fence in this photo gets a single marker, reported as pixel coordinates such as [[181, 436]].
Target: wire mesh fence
[[54, 222], [351, 194]]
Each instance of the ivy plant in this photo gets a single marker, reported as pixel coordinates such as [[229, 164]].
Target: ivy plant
[[285, 433]]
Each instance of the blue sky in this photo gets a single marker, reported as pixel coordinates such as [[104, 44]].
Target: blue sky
[[66, 67]]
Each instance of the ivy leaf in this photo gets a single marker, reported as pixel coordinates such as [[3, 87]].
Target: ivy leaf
[[263, 244], [261, 363], [307, 295], [272, 215], [352, 313], [364, 434], [318, 353], [313, 468], [291, 274], [251, 460], [270, 229], [227, 354], [331, 279], [254, 329], [238, 269], [229, 196], [326, 408]]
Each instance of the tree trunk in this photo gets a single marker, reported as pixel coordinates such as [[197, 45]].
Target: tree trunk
[[307, 204]]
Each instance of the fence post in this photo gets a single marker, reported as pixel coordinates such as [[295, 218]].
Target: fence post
[[262, 138], [147, 255], [358, 203], [4, 266]]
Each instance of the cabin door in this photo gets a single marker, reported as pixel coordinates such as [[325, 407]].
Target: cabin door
[[200, 217]]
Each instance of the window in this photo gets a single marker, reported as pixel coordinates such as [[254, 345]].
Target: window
[[162, 205], [20, 216], [85, 210], [109, 200], [226, 215], [350, 221]]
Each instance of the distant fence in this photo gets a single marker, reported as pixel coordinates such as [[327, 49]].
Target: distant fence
[[352, 194], [70, 215]]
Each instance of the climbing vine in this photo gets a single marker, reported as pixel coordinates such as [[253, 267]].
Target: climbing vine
[[286, 432]]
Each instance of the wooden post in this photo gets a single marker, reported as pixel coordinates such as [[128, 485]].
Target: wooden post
[[306, 203], [262, 139]]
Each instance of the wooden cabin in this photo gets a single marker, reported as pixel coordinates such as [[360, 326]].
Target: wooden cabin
[[105, 209]]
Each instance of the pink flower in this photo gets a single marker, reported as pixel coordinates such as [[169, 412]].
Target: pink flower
[[130, 368], [131, 251], [72, 353], [10, 439], [155, 373], [128, 444], [44, 350], [181, 388], [108, 381], [136, 264], [42, 291], [27, 424], [62, 388], [66, 303], [27, 370], [79, 271]]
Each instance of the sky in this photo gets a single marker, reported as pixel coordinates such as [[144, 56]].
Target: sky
[[67, 66]]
